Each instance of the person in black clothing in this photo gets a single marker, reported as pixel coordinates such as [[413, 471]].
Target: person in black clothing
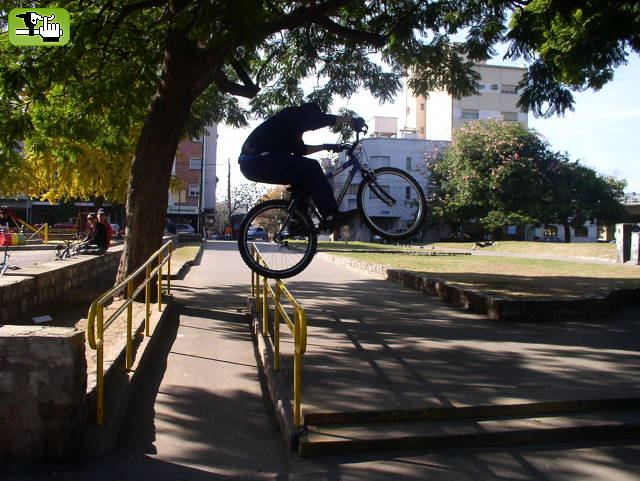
[[96, 240], [274, 153]]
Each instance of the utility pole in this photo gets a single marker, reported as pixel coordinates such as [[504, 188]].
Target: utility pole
[[229, 188]]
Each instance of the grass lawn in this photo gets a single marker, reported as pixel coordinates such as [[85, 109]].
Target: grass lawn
[[185, 252], [513, 276]]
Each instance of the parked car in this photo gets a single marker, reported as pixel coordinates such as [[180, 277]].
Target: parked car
[[185, 229], [64, 225], [257, 232], [550, 238]]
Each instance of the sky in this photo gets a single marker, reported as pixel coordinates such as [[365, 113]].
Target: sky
[[603, 132]]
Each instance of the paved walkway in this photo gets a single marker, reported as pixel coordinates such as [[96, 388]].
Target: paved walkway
[[200, 415]]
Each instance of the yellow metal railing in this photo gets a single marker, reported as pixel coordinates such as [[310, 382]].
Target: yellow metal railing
[[298, 328], [97, 324], [43, 230]]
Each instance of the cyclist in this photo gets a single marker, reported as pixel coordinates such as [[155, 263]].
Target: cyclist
[[274, 153]]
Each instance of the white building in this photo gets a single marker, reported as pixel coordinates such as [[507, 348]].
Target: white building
[[438, 114]]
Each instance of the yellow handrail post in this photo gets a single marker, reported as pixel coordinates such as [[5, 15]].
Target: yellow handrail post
[[100, 368], [297, 372], [147, 301], [276, 329], [169, 269], [129, 325], [46, 233], [160, 259], [265, 308], [253, 274]]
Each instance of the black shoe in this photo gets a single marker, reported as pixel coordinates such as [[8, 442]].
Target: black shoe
[[297, 228], [334, 222]]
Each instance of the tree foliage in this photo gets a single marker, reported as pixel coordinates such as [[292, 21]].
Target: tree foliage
[[501, 173], [579, 194], [495, 172]]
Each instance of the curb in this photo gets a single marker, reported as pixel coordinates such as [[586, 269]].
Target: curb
[[501, 308]]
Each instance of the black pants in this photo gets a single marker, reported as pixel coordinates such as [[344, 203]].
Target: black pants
[[295, 170]]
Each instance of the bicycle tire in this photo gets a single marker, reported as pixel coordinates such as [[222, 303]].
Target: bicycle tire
[[286, 255], [405, 217]]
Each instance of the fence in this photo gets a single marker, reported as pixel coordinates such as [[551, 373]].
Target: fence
[[97, 324], [298, 328]]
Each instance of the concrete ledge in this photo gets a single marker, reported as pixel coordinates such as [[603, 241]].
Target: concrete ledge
[[280, 393], [496, 307]]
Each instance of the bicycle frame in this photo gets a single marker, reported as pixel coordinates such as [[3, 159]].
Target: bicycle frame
[[356, 166]]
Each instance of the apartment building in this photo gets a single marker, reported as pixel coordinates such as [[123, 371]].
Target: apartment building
[[195, 166], [438, 114]]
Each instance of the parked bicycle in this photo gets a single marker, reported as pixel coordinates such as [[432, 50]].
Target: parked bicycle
[[6, 265], [390, 202], [70, 249]]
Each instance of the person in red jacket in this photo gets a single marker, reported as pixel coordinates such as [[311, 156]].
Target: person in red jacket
[[102, 217]]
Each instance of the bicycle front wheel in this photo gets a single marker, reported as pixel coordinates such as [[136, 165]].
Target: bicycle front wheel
[[284, 237], [392, 203]]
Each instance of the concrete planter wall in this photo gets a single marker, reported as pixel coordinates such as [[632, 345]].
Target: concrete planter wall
[[43, 372]]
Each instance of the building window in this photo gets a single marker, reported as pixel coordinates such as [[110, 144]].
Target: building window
[[195, 163], [509, 89], [510, 116], [422, 130], [197, 140], [408, 165], [380, 161], [421, 106], [194, 190], [581, 231], [550, 231], [494, 86], [469, 114], [351, 204], [407, 192]]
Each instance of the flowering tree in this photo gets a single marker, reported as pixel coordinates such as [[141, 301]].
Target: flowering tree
[[501, 173], [496, 172]]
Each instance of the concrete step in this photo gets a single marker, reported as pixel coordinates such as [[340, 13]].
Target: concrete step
[[465, 430]]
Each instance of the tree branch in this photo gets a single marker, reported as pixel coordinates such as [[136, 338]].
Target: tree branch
[[242, 74], [303, 15], [374, 39], [227, 86]]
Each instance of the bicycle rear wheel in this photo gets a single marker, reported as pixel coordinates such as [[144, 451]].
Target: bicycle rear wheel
[[392, 203], [287, 239]]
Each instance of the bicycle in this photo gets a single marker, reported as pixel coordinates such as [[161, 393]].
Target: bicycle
[[390, 202], [70, 249], [5, 265]]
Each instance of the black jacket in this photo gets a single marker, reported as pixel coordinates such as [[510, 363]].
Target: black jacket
[[283, 132]]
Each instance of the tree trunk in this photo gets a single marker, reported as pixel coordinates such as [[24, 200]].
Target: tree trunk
[[567, 232], [163, 129]]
